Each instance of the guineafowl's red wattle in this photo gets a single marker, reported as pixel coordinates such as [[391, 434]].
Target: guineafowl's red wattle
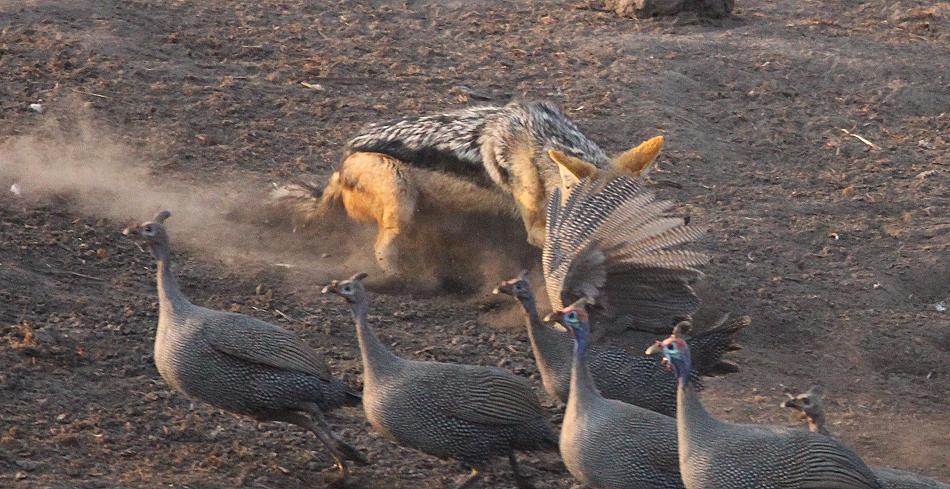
[[715, 454], [609, 444], [634, 379]]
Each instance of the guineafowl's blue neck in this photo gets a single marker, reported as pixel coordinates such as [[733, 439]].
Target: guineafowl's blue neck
[[552, 349], [170, 297], [543, 338], [693, 422], [583, 391], [378, 360]]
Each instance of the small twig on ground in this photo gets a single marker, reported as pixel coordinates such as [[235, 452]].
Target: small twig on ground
[[77, 274], [424, 350], [860, 138], [89, 93], [293, 320]]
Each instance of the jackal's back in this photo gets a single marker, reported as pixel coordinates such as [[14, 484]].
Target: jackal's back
[[479, 143]]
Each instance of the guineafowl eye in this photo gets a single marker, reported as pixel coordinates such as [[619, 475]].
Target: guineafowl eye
[[671, 347], [347, 289], [572, 316], [519, 287]]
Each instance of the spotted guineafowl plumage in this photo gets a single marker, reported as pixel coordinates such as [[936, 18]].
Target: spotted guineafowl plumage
[[634, 379], [718, 455], [466, 413], [609, 240], [811, 405], [609, 444], [241, 364]]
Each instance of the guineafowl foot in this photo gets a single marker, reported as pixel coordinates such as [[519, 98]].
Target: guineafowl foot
[[520, 480], [350, 453], [319, 427], [340, 480], [466, 481]]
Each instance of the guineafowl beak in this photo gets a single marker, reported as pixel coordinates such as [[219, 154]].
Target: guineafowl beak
[[790, 403], [330, 287], [503, 288], [554, 317], [657, 349]]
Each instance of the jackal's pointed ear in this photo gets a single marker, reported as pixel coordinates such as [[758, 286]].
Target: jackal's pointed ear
[[637, 161], [572, 169]]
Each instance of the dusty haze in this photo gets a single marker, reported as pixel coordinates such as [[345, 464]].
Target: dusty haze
[[76, 162], [72, 160]]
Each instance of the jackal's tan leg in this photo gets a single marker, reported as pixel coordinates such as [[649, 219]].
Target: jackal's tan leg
[[387, 253], [536, 233], [532, 215], [380, 190]]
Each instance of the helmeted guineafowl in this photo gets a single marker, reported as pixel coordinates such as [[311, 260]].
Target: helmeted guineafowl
[[241, 364], [634, 379], [463, 412], [719, 455], [812, 406], [609, 444], [609, 240]]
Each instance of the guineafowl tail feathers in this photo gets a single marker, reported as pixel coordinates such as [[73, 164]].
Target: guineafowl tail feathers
[[708, 347], [304, 204]]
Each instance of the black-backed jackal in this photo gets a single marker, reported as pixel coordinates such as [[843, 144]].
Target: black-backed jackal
[[493, 160]]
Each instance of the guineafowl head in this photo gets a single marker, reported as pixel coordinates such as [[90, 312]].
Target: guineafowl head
[[350, 289], [155, 235], [574, 318], [808, 403], [810, 406], [675, 355], [518, 287]]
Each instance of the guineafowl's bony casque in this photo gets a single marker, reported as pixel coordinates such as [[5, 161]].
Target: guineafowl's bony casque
[[609, 444], [634, 379], [717, 455], [241, 364], [468, 413]]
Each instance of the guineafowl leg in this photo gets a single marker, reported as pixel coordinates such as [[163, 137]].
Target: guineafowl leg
[[303, 421], [345, 449], [520, 479], [466, 481]]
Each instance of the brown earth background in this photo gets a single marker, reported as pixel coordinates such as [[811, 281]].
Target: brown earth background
[[809, 136]]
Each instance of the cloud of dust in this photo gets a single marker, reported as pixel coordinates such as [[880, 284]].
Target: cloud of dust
[[97, 175]]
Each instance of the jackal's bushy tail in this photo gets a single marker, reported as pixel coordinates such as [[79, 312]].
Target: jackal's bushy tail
[[304, 204]]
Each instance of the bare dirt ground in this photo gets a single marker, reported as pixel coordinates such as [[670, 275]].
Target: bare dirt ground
[[837, 246]]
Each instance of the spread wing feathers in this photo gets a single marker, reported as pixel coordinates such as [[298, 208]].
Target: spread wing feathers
[[256, 341], [494, 398], [614, 242]]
